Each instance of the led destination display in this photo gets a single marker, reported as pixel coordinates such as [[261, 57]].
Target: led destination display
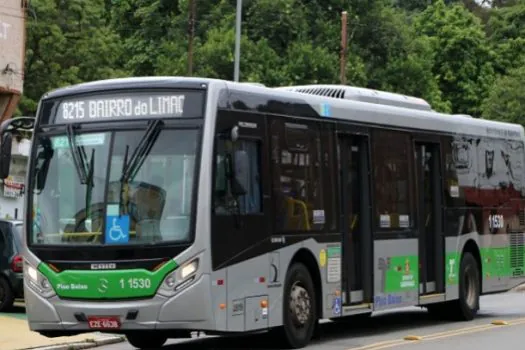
[[96, 108]]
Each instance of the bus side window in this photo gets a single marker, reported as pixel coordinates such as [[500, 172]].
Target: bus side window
[[246, 164]]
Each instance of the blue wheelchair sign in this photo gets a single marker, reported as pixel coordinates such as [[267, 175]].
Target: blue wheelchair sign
[[117, 229], [336, 306]]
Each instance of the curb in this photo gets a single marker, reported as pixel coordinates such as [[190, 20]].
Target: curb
[[80, 345]]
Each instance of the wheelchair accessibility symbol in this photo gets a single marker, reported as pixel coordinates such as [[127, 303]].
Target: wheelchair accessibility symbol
[[117, 229]]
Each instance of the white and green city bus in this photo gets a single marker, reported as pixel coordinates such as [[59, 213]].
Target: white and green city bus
[[164, 205]]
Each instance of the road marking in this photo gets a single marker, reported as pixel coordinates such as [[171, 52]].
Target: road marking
[[413, 337], [500, 323], [410, 339]]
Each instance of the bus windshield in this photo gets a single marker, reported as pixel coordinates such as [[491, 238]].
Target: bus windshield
[[114, 187]]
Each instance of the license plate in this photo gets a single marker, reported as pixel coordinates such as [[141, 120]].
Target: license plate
[[104, 322]]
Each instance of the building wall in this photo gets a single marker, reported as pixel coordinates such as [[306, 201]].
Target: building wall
[[12, 54]]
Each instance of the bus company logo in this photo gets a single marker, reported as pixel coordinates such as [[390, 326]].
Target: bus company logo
[[103, 285], [108, 266]]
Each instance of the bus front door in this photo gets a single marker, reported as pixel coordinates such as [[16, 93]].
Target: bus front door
[[431, 236], [355, 219]]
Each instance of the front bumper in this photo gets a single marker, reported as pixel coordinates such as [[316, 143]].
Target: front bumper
[[190, 309]]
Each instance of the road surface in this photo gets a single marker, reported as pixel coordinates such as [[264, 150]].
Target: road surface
[[410, 329]]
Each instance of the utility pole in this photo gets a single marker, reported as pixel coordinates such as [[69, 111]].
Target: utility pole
[[192, 15], [344, 45], [238, 21]]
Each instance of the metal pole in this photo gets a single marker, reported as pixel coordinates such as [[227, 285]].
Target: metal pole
[[193, 10], [344, 43], [238, 20]]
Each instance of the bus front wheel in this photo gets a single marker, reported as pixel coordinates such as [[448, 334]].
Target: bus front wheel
[[141, 340], [299, 307]]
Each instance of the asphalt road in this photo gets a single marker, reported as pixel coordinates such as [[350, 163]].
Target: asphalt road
[[410, 328]]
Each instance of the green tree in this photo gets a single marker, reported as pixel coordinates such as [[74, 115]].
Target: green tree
[[463, 59], [67, 43], [506, 101], [506, 31]]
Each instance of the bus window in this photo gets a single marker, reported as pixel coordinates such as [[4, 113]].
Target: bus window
[[300, 202], [392, 180], [246, 164]]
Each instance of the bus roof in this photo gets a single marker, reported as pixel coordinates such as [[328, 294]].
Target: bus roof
[[131, 82], [331, 102]]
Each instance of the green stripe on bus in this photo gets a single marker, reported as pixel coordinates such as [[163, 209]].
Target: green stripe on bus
[[106, 284], [495, 262]]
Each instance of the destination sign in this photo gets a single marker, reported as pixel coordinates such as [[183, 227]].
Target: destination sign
[[96, 108]]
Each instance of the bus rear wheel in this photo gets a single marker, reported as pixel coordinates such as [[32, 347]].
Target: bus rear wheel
[[142, 340], [467, 305], [299, 308]]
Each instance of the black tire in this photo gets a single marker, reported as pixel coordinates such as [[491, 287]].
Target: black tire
[[7, 297], [467, 306], [141, 340], [297, 331]]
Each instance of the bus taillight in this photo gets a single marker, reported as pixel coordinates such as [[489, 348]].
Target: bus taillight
[[17, 264]]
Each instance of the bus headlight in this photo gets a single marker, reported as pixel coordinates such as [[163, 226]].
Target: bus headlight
[[37, 281], [180, 278]]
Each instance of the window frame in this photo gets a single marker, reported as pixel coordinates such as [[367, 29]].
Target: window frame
[[324, 143], [259, 149]]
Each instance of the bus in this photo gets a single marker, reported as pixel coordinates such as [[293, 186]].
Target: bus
[[160, 206]]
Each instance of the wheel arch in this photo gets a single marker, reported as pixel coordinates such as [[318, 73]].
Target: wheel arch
[[306, 257], [472, 247]]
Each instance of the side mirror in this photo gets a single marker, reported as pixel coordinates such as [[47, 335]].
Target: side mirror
[[5, 154], [236, 188], [234, 133], [43, 159], [6, 133], [242, 171]]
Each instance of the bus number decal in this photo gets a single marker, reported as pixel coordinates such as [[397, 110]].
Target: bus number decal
[[135, 283], [496, 221], [73, 110]]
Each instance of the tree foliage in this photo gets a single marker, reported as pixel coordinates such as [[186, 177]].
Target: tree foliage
[[461, 56]]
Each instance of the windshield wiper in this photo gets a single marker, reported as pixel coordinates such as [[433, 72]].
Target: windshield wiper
[[90, 184], [77, 155], [121, 193], [141, 152]]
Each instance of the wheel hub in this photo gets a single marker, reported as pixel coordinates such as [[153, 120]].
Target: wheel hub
[[300, 305]]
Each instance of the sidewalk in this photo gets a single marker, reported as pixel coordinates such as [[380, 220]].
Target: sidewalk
[[15, 335]]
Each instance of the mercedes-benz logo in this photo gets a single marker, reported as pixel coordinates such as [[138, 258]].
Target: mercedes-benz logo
[[103, 286]]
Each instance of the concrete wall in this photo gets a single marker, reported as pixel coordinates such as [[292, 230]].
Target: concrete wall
[[12, 55]]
